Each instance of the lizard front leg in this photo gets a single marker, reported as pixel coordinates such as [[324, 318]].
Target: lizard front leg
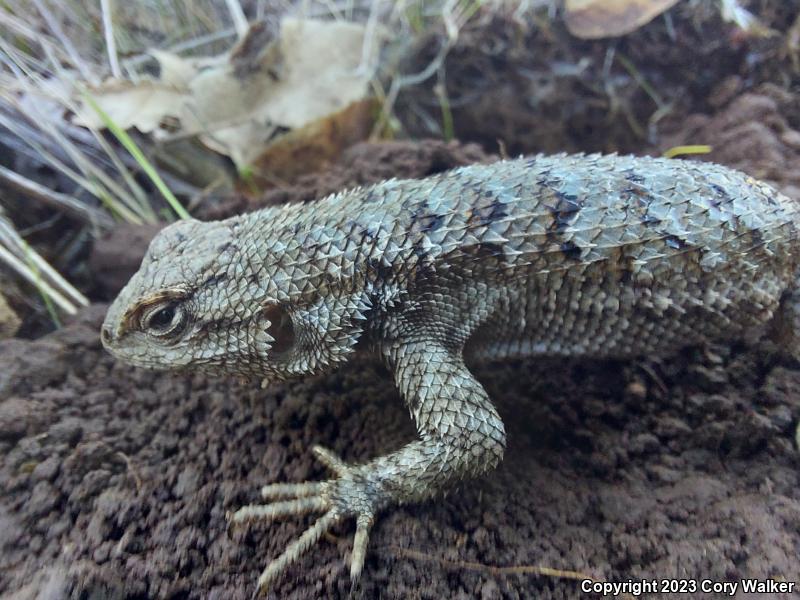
[[461, 435]]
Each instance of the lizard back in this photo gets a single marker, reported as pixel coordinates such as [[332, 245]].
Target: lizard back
[[570, 254]]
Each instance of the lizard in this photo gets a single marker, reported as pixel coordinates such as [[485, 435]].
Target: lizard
[[563, 255]]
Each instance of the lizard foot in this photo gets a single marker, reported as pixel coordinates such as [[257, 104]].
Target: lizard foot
[[349, 494]]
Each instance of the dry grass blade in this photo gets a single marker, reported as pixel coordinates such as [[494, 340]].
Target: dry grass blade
[[62, 37], [128, 143], [92, 185], [136, 190], [111, 44], [134, 62], [49, 295], [20, 28], [14, 243], [687, 150], [237, 16], [28, 264], [102, 185], [63, 202]]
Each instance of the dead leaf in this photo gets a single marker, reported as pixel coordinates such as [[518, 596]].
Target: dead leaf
[[238, 103], [178, 72], [144, 105], [594, 19]]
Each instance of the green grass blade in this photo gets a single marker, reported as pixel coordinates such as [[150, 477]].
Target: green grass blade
[[128, 143]]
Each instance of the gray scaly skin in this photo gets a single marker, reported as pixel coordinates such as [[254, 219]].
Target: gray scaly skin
[[551, 255]]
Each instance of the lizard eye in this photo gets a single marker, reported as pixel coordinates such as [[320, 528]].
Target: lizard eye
[[164, 319]]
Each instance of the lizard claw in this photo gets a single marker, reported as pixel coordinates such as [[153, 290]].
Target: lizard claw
[[344, 496]]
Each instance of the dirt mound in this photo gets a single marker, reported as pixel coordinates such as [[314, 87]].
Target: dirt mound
[[117, 481], [749, 131]]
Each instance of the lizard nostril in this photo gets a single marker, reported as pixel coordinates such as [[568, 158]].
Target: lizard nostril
[[105, 334]]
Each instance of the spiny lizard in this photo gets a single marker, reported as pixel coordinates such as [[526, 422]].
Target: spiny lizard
[[551, 255]]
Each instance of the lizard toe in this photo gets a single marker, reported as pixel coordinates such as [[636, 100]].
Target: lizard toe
[[363, 525], [351, 493], [297, 549]]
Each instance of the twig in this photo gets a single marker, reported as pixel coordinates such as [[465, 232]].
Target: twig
[[475, 566], [401, 81], [111, 44], [640, 79], [68, 204]]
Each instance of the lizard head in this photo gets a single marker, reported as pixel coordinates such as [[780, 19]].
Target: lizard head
[[203, 298], [185, 306]]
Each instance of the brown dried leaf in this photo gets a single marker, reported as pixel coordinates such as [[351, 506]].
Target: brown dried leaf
[[593, 19], [316, 144]]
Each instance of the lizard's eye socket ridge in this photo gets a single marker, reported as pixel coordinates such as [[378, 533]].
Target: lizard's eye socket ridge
[[164, 320]]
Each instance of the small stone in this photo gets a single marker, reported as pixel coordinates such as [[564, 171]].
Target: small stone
[[644, 443], [490, 590], [671, 427], [637, 390], [791, 138], [708, 379], [187, 484], [92, 484], [13, 418], [663, 474], [68, 431], [43, 499], [100, 555], [47, 469]]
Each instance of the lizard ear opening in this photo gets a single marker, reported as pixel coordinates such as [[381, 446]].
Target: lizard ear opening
[[281, 328], [308, 338]]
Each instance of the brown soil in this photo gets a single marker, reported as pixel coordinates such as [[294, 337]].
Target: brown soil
[[115, 482]]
